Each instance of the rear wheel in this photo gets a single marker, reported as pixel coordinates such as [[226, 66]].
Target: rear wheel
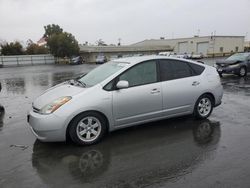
[[243, 71], [203, 107], [87, 128]]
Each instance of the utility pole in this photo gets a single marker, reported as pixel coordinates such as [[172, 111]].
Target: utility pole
[[198, 32]]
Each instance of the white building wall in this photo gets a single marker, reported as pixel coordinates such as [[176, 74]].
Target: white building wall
[[191, 44], [228, 44], [214, 44]]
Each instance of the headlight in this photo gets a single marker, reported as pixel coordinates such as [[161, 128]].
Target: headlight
[[53, 106], [233, 66], [215, 65]]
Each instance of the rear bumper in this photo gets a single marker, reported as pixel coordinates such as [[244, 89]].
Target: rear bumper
[[218, 94], [47, 128]]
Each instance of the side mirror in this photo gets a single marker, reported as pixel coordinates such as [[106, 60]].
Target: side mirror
[[122, 84]]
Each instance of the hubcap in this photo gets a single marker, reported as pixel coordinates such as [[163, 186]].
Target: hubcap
[[88, 129], [204, 107], [242, 71]]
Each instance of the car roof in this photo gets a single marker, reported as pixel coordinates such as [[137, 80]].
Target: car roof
[[138, 59]]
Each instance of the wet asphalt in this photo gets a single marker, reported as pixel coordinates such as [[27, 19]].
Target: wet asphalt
[[180, 152]]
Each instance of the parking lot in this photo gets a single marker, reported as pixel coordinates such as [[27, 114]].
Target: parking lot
[[180, 152]]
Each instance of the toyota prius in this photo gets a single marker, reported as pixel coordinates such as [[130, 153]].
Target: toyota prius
[[122, 93]]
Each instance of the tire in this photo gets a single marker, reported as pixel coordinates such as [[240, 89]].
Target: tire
[[87, 128], [203, 107], [242, 71]]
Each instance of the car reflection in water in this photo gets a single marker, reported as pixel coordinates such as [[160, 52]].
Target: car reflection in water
[[133, 157], [2, 112], [235, 84]]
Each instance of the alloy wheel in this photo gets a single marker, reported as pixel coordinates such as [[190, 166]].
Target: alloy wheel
[[242, 71], [204, 107], [88, 129]]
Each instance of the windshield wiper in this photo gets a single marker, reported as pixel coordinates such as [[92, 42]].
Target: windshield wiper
[[80, 82], [76, 82]]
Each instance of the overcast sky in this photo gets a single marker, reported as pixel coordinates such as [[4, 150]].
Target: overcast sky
[[130, 20]]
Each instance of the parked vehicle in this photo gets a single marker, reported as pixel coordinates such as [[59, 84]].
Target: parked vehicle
[[77, 60], [238, 64], [197, 56], [100, 59], [122, 93], [166, 53]]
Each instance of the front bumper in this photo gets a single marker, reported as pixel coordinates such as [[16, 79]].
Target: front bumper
[[228, 70], [47, 128]]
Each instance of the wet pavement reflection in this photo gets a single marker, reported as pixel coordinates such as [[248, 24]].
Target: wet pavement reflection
[[180, 152], [135, 157], [232, 83], [2, 112]]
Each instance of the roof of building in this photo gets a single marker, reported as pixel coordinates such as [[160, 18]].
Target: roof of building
[[97, 49], [42, 41], [163, 41]]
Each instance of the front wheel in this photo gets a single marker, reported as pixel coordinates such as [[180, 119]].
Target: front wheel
[[87, 128], [203, 107], [243, 71]]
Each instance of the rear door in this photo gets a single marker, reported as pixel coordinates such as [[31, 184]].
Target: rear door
[[180, 87]]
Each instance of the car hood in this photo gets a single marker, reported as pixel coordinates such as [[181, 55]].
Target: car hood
[[56, 92], [227, 62]]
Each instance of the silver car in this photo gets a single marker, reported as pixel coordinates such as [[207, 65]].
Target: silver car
[[122, 93]]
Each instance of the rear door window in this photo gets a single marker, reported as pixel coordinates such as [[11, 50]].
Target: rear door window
[[174, 69]]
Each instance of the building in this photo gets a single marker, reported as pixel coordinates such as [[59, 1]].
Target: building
[[207, 45], [91, 53], [42, 41]]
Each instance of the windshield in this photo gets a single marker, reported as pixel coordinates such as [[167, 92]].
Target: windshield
[[101, 73], [239, 56]]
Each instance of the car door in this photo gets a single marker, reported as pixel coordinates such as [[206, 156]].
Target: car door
[[180, 88], [142, 100]]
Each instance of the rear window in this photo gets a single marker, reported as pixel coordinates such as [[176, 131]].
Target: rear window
[[197, 69]]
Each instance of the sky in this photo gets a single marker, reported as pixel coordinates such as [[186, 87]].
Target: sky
[[130, 20]]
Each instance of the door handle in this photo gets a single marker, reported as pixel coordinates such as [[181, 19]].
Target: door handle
[[155, 91], [195, 83]]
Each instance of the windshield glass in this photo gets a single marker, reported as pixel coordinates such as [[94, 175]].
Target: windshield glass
[[101, 73], [239, 57]]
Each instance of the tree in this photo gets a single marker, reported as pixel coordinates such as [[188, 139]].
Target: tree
[[60, 43], [33, 48], [63, 44], [13, 48], [52, 29]]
